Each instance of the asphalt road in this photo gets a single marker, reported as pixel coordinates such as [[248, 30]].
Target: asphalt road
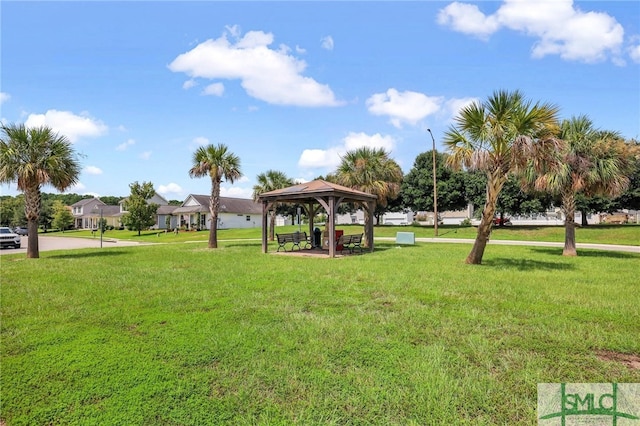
[[65, 243]]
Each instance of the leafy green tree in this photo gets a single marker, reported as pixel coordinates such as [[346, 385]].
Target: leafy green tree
[[270, 181], [7, 206], [372, 171], [630, 199], [110, 200], [217, 162], [62, 217], [591, 162], [140, 213], [34, 157], [514, 200], [499, 137], [417, 185], [46, 214]]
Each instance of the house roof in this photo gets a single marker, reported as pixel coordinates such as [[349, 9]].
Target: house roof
[[86, 201], [227, 205], [166, 209], [316, 188]]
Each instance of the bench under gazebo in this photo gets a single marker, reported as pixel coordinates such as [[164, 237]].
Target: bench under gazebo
[[315, 195]]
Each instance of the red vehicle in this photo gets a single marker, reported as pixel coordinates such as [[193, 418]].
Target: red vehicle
[[502, 221]]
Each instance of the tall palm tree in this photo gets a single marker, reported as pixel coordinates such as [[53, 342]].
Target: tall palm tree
[[270, 181], [372, 171], [592, 162], [217, 162], [499, 137], [36, 156]]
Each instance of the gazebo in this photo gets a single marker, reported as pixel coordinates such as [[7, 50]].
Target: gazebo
[[313, 195]]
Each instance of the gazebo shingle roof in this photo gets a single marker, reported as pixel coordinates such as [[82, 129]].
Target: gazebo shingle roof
[[315, 188]]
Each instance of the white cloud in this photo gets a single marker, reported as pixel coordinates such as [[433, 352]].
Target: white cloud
[[558, 26], [327, 43], [189, 84], [634, 50], [359, 140], [273, 76], [403, 107], [125, 145], [467, 19], [145, 155], [68, 124], [92, 170], [235, 192], [300, 50], [77, 188], [243, 179], [215, 89], [453, 106], [170, 188], [4, 97], [318, 158], [330, 158], [197, 142]]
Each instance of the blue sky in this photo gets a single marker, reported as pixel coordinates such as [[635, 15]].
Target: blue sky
[[291, 86]]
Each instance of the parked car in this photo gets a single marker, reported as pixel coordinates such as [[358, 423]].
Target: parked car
[[9, 238], [502, 221], [21, 230]]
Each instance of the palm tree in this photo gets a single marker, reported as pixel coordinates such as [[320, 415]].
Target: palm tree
[[372, 171], [217, 162], [592, 163], [499, 137], [270, 181], [34, 157]]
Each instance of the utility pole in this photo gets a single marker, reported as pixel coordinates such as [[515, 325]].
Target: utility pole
[[435, 188]]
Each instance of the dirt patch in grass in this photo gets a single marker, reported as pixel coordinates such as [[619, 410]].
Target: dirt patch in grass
[[630, 360]]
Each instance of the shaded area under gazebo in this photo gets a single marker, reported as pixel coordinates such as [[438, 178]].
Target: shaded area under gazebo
[[315, 195]]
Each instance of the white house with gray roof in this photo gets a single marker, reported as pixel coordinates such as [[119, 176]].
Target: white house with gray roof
[[233, 213]]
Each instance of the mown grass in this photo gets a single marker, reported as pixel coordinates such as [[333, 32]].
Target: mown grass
[[178, 334], [603, 234]]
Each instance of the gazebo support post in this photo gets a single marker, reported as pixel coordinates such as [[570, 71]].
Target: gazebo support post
[[332, 226], [265, 212]]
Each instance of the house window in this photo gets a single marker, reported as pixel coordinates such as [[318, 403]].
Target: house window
[[203, 221], [248, 218]]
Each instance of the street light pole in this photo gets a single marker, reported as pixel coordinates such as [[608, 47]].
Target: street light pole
[[435, 190], [95, 210]]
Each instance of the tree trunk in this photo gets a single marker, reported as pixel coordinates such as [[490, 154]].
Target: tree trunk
[[214, 207], [272, 224], [32, 213], [584, 218], [495, 182], [569, 208], [368, 218]]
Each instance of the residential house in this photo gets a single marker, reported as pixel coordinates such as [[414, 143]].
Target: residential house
[[87, 213], [164, 211], [233, 213]]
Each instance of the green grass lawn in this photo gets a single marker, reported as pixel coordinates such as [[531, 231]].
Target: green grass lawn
[[605, 234], [176, 334]]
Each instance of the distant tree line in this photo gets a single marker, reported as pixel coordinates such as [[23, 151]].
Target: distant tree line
[[12, 208]]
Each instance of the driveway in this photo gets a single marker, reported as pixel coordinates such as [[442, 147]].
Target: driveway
[[66, 243]]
